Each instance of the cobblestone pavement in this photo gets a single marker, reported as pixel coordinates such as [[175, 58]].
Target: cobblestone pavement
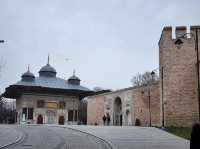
[[46, 137], [136, 137]]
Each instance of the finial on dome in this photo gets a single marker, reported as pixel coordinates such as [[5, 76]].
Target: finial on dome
[[74, 72], [48, 60], [28, 68]]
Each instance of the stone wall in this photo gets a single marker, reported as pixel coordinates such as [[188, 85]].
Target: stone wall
[[134, 99], [179, 78], [95, 110], [141, 97]]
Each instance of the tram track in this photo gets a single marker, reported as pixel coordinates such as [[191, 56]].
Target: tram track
[[19, 140], [104, 143], [61, 137]]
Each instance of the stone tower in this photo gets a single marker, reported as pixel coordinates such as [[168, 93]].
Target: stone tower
[[178, 84]]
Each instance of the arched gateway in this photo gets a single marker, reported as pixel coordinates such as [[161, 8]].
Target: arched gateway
[[117, 114]]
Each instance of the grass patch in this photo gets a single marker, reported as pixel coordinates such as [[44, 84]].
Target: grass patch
[[183, 132]]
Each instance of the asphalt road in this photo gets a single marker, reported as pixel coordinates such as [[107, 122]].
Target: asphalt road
[[88, 137], [45, 137]]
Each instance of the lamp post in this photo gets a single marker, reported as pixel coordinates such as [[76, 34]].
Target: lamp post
[[161, 70], [149, 96], [178, 42]]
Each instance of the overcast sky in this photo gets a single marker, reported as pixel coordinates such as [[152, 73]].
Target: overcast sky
[[106, 41]]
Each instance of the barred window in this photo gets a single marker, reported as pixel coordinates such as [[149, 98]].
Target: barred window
[[71, 114], [28, 112], [24, 112]]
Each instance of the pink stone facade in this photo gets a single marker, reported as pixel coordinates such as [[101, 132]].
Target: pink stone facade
[[141, 105], [134, 99], [95, 110], [179, 77]]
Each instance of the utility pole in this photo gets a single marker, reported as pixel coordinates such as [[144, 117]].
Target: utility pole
[[149, 96]]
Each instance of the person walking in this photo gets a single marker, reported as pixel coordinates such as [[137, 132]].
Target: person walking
[[104, 120], [108, 119], [195, 137]]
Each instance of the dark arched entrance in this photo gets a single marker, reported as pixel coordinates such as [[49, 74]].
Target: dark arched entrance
[[117, 112], [40, 119], [61, 120]]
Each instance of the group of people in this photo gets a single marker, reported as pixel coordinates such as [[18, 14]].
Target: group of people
[[106, 119]]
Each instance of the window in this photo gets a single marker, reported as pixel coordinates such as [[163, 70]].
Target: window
[[40, 103], [75, 115], [72, 115], [28, 112], [24, 112], [62, 105]]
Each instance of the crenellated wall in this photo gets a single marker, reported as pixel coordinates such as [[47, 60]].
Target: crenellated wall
[[179, 77]]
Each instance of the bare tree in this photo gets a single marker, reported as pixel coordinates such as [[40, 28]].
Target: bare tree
[[144, 78]]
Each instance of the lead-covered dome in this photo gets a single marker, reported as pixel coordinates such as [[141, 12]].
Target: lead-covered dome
[[74, 80], [28, 76], [47, 70]]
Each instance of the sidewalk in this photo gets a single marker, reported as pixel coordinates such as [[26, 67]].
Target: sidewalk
[[136, 137]]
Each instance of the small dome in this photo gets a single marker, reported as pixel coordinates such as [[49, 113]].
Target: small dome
[[47, 70], [74, 80], [28, 76]]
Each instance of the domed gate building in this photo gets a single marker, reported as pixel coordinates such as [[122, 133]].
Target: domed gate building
[[48, 99]]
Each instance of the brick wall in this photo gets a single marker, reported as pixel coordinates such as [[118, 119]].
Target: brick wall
[[139, 102], [95, 110], [179, 78]]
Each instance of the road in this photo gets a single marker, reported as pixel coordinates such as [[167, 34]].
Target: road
[[88, 137], [45, 137]]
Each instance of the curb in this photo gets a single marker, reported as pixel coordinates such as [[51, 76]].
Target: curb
[[20, 137]]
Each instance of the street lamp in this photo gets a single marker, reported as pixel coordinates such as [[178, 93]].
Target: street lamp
[[178, 43], [149, 95], [162, 96]]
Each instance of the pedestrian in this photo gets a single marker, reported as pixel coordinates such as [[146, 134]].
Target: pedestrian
[[108, 119], [104, 120], [195, 137]]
